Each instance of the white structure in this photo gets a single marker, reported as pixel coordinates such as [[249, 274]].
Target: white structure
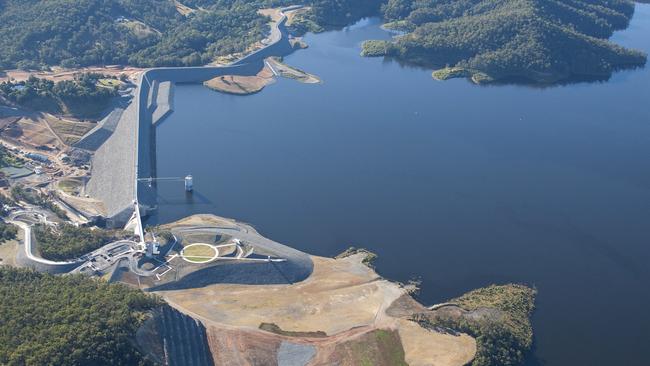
[[189, 183]]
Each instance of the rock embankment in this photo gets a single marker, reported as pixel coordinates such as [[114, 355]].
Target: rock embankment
[[175, 339]]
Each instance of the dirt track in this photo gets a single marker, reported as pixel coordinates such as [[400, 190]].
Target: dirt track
[[343, 298]]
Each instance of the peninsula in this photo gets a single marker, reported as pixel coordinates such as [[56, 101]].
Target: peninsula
[[79, 168], [536, 41]]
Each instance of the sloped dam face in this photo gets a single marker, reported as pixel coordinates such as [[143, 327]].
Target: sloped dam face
[[458, 185]]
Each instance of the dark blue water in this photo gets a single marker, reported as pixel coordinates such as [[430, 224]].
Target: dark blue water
[[459, 185]]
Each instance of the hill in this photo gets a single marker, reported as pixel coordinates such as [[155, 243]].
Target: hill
[[68, 320], [71, 33], [537, 40]]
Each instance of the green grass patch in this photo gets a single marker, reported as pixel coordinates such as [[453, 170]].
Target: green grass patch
[[274, 328], [451, 73], [70, 186], [109, 83], [380, 347], [199, 253], [375, 48]]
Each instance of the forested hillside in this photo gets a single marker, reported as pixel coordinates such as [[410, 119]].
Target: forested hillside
[[36, 33], [343, 12], [538, 40], [488, 40], [69, 242], [85, 96], [68, 320]]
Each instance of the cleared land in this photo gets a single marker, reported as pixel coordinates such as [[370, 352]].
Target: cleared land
[[8, 251], [290, 72], [59, 73], [241, 85], [71, 186], [340, 309], [183, 9], [43, 129], [244, 85]]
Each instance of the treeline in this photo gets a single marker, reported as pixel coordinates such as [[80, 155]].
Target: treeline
[[7, 231], [33, 197], [497, 316], [69, 320], [538, 40], [72, 33], [80, 97], [8, 159], [68, 242], [343, 12], [36, 34]]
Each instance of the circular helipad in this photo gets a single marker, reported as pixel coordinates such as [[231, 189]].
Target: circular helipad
[[199, 253]]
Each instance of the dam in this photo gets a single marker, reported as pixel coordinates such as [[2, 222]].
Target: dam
[[125, 150]]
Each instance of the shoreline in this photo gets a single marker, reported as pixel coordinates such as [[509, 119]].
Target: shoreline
[[130, 150], [340, 302]]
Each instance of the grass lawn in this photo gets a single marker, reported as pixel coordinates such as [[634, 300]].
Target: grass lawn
[[109, 82], [70, 186], [199, 253]]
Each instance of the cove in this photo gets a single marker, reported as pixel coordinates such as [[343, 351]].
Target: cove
[[458, 185]]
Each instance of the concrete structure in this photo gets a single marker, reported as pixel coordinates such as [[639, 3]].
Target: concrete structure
[[129, 152]]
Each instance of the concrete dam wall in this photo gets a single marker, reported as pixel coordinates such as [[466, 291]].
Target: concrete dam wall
[[129, 154]]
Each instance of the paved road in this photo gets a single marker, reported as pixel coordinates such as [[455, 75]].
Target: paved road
[[296, 266], [25, 219]]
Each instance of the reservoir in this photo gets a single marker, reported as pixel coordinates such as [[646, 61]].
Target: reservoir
[[457, 185]]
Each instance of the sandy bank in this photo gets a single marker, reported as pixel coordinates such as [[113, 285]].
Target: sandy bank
[[241, 85]]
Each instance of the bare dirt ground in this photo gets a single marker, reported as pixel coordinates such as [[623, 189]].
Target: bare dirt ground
[[273, 13], [43, 129], [203, 220], [343, 298], [290, 72], [8, 251], [241, 85], [183, 9], [58, 73], [291, 15]]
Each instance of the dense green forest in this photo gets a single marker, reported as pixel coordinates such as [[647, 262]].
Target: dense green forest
[[538, 40], [342, 12], [68, 320], [82, 97], [69, 242], [37, 33]]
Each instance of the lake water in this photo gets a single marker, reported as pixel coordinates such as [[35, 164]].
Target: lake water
[[459, 185]]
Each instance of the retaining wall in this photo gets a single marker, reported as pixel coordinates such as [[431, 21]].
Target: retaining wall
[[130, 152]]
